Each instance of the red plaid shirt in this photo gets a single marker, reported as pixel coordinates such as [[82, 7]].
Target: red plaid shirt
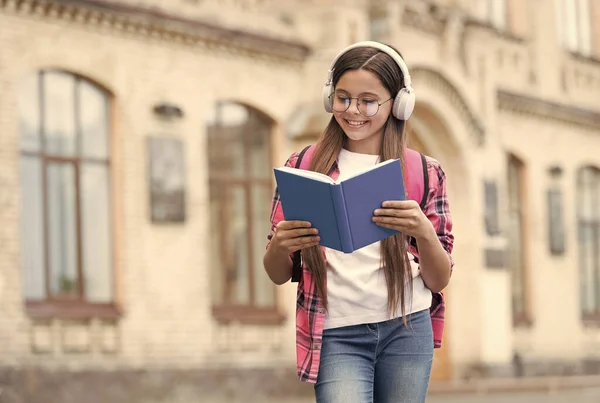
[[310, 313]]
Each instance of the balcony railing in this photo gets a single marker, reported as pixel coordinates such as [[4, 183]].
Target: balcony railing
[[581, 80]]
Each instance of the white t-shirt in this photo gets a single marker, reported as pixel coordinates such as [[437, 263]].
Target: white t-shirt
[[356, 288]]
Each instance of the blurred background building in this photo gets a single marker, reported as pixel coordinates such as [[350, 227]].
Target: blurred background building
[[137, 141]]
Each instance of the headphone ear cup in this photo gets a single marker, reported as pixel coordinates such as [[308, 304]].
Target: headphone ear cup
[[404, 104], [327, 91]]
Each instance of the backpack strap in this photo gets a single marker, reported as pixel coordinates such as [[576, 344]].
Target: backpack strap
[[425, 182], [418, 178], [305, 156], [300, 157]]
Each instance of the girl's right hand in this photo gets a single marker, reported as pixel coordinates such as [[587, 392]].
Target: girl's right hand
[[291, 236]]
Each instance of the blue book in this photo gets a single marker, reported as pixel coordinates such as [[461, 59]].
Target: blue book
[[342, 212]]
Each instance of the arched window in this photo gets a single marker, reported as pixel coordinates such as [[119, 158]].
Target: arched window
[[66, 249], [588, 223], [241, 187]]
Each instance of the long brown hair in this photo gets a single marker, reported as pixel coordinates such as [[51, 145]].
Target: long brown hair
[[394, 258]]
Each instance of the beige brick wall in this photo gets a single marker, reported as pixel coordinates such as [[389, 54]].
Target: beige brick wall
[[163, 272], [595, 11], [12, 338]]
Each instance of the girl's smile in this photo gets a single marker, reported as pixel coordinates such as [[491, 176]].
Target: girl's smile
[[363, 132], [355, 124]]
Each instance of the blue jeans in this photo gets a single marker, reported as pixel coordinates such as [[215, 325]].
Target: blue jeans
[[384, 362]]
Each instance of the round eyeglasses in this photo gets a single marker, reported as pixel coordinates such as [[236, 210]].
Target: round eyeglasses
[[366, 105]]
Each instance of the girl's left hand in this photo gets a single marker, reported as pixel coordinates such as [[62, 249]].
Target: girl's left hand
[[405, 216]]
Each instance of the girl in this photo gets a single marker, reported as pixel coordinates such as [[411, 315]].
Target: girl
[[363, 322]]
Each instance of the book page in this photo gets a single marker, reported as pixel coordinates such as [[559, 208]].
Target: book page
[[308, 174], [373, 168]]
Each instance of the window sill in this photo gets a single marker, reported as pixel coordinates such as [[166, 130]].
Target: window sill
[[522, 321], [71, 310], [591, 320], [593, 59], [226, 314]]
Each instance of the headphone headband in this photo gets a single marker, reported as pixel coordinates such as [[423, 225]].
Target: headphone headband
[[404, 102], [380, 46]]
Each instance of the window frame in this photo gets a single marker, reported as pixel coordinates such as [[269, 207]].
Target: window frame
[[497, 13], [589, 318], [493, 13], [522, 318], [225, 310], [54, 305], [574, 26], [379, 22]]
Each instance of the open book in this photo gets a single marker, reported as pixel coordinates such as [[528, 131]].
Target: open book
[[342, 212]]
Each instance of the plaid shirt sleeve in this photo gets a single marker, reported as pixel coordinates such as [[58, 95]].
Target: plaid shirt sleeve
[[437, 208], [276, 210]]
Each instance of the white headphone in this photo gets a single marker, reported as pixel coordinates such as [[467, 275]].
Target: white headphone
[[403, 105]]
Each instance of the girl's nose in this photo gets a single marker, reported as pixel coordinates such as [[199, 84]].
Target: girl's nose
[[353, 108]]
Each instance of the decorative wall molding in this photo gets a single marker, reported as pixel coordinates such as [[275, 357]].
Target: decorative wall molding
[[471, 22], [548, 110], [439, 82], [63, 336], [158, 25], [425, 16], [472, 27]]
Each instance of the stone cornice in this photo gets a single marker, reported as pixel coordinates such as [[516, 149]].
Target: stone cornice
[[548, 110], [438, 82], [590, 60], [158, 24], [471, 22]]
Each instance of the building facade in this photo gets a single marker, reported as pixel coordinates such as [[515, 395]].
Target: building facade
[[137, 141]]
